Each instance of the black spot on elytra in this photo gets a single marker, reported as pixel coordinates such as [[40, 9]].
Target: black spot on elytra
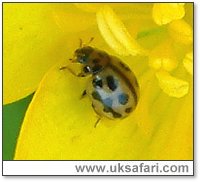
[[128, 110], [111, 83], [106, 109], [97, 83], [123, 98], [124, 66], [96, 96], [116, 115], [109, 109], [96, 68]]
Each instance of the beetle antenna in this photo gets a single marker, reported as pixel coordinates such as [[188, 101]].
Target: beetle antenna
[[91, 39], [80, 43]]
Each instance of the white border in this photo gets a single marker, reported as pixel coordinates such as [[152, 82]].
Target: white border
[[93, 168]]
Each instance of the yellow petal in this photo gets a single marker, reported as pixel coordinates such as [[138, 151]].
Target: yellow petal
[[130, 9], [116, 34], [181, 31], [188, 62], [172, 137], [180, 142], [88, 7], [172, 86], [164, 13], [32, 44], [142, 111], [72, 22]]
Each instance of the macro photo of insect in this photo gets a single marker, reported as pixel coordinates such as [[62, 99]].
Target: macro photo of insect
[[98, 81]]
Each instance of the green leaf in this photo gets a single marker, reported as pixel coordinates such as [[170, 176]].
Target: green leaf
[[13, 115]]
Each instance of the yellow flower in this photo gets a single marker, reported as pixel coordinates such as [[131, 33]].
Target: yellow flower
[[60, 125], [164, 13]]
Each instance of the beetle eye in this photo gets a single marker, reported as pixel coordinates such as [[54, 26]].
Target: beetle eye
[[81, 58], [86, 69]]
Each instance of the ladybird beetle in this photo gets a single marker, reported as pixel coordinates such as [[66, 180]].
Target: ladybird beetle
[[112, 87]]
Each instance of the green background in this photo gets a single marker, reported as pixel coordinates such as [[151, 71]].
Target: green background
[[13, 115]]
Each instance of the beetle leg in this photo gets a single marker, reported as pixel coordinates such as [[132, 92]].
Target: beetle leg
[[97, 122], [83, 94], [71, 71], [63, 68]]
